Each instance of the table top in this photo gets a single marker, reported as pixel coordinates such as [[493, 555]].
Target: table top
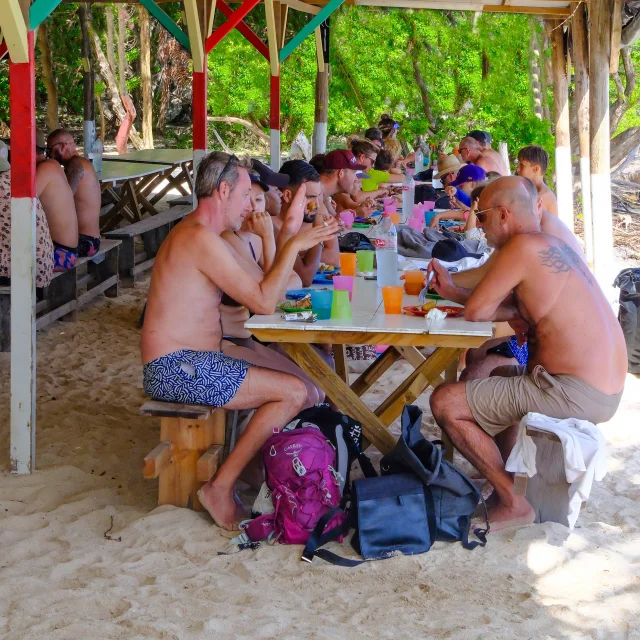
[[168, 156], [118, 171], [369, 318]]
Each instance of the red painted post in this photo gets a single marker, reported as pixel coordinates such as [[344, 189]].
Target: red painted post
[[274, 123], [199, 116], [22, 100]]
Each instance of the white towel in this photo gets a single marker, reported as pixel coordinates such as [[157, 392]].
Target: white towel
[[585, 455]]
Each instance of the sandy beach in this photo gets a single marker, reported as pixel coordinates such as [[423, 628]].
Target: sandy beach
[[157, 575]]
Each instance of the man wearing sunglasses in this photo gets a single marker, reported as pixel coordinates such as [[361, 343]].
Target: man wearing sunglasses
[[577, 356], [85, 186], [470, 152], [182, 333]]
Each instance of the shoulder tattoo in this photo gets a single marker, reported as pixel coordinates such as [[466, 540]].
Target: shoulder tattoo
[[563, 259]]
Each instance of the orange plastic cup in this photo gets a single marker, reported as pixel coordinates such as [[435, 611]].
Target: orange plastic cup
[[348, 264], [392, 297], [413, 282], [395, 218]]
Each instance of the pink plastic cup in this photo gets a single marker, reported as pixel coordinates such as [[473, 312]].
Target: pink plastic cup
[[418, 211], [388, 200], [428, 206], [416, 223], [391, 208], [344, 283], [347, 218]]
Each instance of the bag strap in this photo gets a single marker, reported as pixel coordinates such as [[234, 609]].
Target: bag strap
[[334, 558], [481, 534], [318, 537]]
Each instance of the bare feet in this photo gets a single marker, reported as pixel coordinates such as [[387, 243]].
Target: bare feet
[[516, 514], [221, 505]]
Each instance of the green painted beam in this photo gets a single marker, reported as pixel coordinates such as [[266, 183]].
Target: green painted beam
[[40, 10], [167, 23], [309, 28]]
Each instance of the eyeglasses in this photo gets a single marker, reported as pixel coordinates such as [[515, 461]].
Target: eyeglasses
[[461, 149], [231, 162], [481, 215]]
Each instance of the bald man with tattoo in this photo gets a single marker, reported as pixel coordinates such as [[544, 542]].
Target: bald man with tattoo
[[85, 186], [577, 356]]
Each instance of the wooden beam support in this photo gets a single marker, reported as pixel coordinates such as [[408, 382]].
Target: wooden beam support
[[274, 122], [301, 6], [616, 33], [308, 28], [22, 100], [166, 22], [272, 35], [564, 182], [199, 119], [14, 31], [581, 98], [245, 30], [195, 35], [232, 22], [599, 134], [319, 53], [156, 460], [39, 11]]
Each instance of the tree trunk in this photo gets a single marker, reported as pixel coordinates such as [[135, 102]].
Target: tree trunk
[[626, 98], [319, 140], [424, 93], [245, 123], [145, 76], [89, 124], [122, 60], [547, 75], [534, 72], [111, 55], [623, 144], [51, 119], [114, 94]]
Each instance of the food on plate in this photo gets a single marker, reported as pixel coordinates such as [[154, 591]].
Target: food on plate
[[421, 311], [303, 303], [430, 304], [325, 267]]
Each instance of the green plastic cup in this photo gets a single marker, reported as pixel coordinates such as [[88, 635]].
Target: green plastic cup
[[365, 260], [341, 307]]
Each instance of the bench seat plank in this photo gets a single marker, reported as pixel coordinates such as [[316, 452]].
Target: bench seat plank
[[176, 410]]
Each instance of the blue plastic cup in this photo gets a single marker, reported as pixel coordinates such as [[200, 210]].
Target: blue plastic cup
[[428, 217], [321, 300]]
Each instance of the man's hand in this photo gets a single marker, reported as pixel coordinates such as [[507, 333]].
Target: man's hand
[[441, 281], [450, 191], [521, 328], [259, 222], [293, 219], [313, 236]]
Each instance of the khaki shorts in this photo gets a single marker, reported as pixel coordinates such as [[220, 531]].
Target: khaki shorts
[[500, 402]]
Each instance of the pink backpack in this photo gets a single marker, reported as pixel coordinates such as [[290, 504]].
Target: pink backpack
[[300, 468]]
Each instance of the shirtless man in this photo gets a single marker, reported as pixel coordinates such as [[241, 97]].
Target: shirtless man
[[301, 173], [532, 163], [484, 140], [504, 351], [85, 186], [56, 197], [470, 152], [577, 355], [182, 333], [337, 171]]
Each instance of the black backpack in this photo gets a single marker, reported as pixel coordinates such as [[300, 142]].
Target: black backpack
[[628, 281]]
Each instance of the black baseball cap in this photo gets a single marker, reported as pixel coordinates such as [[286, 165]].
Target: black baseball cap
[[268, 176], [482, 137], [255, 179]]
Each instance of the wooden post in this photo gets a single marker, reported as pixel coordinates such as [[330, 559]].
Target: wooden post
[[564, 183], [273, 35], [199, 117], [22, 98], [319, 140], [599, 40], [581, 98], [145, 73], [89, 124]]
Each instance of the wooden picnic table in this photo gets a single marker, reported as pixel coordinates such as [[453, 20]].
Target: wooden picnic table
[[136, 180], [370, 325], [180, 177]]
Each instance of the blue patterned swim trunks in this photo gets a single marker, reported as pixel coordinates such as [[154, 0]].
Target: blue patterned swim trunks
[[194, 377], [520, 353]]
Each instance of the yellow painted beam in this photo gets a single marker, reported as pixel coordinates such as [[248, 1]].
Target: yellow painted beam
[[319, 53], [272, 35], [212, 15], [14, 30], [195, 34]]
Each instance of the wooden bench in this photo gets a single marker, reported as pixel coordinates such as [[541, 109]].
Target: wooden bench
[[152, 231], [193, 442], [68, 290], [547, 491]]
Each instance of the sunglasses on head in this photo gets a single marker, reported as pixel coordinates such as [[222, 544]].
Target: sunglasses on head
[[232, 161]]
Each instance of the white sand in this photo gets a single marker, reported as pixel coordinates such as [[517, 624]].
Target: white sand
[[161, 577]]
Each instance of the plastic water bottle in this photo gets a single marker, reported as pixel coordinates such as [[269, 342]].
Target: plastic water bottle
[[387, 252], [408, 196], [419, 161], [96, 158]]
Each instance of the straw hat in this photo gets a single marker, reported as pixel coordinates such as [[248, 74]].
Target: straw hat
[[4, 157], [448, 164]]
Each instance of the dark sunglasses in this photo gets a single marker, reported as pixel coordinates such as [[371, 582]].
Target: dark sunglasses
[[231, 162], [481, 215]]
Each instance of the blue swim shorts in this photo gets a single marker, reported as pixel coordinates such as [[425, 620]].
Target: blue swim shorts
[[194, 377], [520, 353]]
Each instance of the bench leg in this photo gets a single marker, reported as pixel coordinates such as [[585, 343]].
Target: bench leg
[[126, 262], [179, 482], [5, 323], [64, 289], [107, 269]]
